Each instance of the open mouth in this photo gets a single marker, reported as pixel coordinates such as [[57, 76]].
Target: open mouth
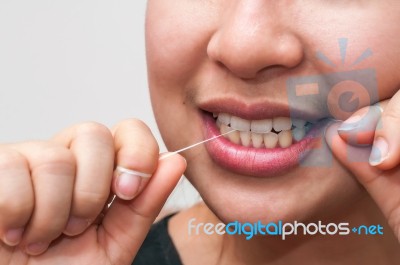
[[260, 147], [267, 133]]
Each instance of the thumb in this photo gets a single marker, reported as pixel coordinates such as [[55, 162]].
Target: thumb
[[127, 223], [383, 186], [354, 158]]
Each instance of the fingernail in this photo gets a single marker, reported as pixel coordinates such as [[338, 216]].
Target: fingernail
[[364, 120], [128, 186], [75, 226], [13, 236], [36, 248], [350, 124], [379, 152]]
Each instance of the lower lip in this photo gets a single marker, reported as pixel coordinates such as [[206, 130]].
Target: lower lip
[[257, 162]]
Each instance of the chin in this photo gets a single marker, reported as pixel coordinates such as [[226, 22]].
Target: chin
[[302, 194]]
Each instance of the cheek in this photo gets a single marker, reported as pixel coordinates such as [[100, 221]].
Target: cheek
[[176, 40], [177, 35], [363, 29]]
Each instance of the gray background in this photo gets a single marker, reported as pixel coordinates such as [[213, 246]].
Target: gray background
[[64, 62]]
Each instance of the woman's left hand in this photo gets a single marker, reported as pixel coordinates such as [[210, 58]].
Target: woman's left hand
[[377, 167]]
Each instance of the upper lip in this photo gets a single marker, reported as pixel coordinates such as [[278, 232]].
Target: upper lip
[[257, 110]]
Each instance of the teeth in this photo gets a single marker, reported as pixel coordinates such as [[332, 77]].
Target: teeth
[[285, 139], [245, 138], [234, 137], [218, 124], [298, 123], [240, 124], [270, 140], [299, 133], [259, 134], [224, 129], [282, 124], [261, 126], [257, 140], [224, 118]]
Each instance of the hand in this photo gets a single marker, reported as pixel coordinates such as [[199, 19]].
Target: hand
[[377, 167], [51, 194]]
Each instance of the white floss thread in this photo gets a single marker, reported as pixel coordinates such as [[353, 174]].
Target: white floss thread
[[133, 172], [194, 145], [146, 175]]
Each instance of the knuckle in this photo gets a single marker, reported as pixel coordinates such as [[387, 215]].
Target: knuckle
[[93, 128], [144, 146], [10, 158], [57, 155], [16, 209], [89, 203], [46, 231], [135, 125], [42, 232], [54, 158], [152, 147], [143, 156], [143, 152], [133, 122], [150, 142], [391, 115], [14, 206]]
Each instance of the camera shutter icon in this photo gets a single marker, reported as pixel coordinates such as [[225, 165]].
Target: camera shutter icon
[[346, 97], [334, 95]]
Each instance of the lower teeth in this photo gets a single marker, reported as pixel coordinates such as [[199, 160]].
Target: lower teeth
[[282, 139]]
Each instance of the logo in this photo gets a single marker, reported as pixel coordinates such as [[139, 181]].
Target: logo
[[337, 95], [281, 229]]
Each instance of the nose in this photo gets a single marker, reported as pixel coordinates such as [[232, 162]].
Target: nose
[[254, 36]]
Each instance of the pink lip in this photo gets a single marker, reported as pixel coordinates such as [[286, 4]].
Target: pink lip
[[256, 110], [257, 162]]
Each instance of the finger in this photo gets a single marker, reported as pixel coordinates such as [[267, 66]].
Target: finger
[[385, 152], [360, 128], [52, 170], [383, 186], [16, 195], [128, 222], [93, 148], [136, 156]]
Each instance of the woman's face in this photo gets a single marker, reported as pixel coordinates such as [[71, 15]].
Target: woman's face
[[240, 60]]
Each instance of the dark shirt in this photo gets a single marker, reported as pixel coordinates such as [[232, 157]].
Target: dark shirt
[[158, 248]]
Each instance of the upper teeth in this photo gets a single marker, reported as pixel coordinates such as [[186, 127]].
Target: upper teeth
[[260, 126], [259, 133], [240, 124], [224, 118]]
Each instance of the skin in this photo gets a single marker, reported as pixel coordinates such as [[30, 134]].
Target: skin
[[46, 184], [247, 50], [192, 53]]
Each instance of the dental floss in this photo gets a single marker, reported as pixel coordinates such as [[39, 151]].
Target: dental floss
[[133, 172], [194, 145], [147, 175]]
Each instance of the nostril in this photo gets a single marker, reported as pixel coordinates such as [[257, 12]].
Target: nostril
[[249, 63], [247, 55]]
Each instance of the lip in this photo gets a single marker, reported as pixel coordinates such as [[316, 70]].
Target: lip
[[256, 110], [250, 161]]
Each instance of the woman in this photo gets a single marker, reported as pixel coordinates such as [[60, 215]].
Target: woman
[[214, 66]]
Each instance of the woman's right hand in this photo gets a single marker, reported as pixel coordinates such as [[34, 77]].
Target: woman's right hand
[[52, 194]]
